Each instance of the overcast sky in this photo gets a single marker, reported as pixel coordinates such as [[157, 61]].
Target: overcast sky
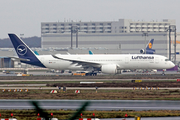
[[25, 16]]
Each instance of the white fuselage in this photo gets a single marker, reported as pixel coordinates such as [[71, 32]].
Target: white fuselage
[[123, 61]]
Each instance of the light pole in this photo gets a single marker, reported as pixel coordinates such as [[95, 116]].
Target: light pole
[[74, 29], [145, 34], [172, 28], [21, 36], [170, 42], [26, 65], [71, 37], [120, 47], [76, 37], [174, 44]]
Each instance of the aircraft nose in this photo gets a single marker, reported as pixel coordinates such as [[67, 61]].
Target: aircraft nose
[[172, 64]]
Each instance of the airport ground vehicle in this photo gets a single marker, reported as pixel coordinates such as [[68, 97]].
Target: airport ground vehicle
[[84, 74], [79, 74]]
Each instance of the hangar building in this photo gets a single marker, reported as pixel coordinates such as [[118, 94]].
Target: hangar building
[[122, 36]]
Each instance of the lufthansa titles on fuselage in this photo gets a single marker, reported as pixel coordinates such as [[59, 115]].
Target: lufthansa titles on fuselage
[[143, 57]]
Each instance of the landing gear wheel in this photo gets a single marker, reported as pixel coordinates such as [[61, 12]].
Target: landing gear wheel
[[94, 74], [163, 74]]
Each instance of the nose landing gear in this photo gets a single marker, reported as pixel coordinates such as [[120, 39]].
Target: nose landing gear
[[163, 71]]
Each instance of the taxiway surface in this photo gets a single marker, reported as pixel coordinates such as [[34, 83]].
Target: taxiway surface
[[137, 105]]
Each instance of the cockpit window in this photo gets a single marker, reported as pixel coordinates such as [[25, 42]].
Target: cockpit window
[[167, 60]]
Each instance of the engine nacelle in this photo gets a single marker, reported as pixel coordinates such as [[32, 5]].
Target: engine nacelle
[[151, 51], [142, 51], [109, 68]]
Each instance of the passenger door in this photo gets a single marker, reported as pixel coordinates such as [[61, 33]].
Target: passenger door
[[156, 60], [126, 60]]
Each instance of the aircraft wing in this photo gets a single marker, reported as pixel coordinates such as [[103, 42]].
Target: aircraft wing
[[80, 62], [20, 59]]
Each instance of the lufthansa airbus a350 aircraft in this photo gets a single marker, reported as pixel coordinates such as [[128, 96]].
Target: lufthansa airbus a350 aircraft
[[106, 63]]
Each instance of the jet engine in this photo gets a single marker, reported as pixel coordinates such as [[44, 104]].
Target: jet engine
[[152, 51], [109, 68], [142, 51]]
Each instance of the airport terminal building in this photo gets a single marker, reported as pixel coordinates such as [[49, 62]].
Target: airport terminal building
[[122, 36]]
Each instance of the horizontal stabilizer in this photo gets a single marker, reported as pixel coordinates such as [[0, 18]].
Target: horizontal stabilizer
[[20, 59]]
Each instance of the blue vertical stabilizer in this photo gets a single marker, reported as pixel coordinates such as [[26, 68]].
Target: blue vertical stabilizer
[[23, 51]]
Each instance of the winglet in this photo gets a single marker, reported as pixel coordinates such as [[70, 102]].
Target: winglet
[[36, 52], [90, 52]]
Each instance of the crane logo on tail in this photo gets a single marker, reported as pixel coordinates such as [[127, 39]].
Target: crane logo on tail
[[150, 45], [21, 50]]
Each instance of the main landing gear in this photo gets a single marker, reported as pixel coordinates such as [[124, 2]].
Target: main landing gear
[[91, 74]]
